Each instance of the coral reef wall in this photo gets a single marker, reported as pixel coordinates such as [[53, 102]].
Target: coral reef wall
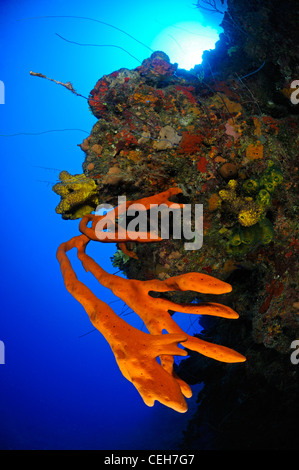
[[225, 133]]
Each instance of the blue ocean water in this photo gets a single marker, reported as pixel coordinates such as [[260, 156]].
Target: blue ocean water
[[60, 388]]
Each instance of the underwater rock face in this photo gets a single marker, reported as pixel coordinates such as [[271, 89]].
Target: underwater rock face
[[228, 146], [260, 409], [155, 128]]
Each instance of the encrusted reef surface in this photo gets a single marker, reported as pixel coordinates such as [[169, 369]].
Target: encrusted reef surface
[[229, 140]]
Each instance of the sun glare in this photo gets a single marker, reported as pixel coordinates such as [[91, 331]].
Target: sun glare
[[185, 42]]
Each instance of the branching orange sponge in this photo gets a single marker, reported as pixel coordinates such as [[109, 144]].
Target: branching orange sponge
[[135, 351]]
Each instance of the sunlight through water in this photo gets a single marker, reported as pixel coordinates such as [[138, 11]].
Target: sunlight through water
[[185, 42]]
